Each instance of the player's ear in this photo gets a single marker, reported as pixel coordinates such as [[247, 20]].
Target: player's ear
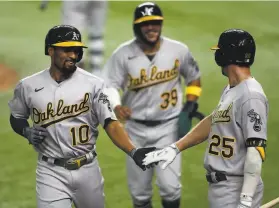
[[50, 51]]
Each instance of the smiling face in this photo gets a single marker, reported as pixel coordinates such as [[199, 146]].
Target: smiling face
[[65, 58], [151, 30]]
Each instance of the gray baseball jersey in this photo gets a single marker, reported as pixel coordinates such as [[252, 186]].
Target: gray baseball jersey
[[241, 114], [152, 89], [71, 111]]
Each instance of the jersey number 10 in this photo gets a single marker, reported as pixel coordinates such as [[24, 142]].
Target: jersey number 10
[[80, 135]]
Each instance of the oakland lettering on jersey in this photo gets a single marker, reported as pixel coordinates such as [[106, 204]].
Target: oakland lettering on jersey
[[222, 115], [62, 112], [156, 77]]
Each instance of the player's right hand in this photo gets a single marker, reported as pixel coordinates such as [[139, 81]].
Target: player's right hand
[[35, 135], [122, 112], [166, 154], [139, 154]]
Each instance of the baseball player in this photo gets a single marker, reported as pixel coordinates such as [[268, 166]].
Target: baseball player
[[149, 69], [87, 16], [66, 105], [236, 131]]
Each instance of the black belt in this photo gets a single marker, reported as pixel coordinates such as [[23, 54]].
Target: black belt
[[215, 177], [72, 163], [153, 122]]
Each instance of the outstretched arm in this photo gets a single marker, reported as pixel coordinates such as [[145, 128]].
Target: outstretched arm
[[119, 136], [114, 129], [196, 136]]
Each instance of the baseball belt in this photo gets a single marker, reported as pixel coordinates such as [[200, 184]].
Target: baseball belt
[[153, 122], [72, 163], [215, 177]]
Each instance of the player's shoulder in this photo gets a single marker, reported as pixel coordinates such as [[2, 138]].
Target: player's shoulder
[[124, 47], [88, 75], [85, 75], [175, 43], [36, 77], [252, 89]]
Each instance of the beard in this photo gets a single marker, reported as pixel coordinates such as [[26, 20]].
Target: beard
[[152, 43], [67, 71]]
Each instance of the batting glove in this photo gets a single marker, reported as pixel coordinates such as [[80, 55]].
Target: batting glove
[[190, 107], [139, 154], [245, 201], [35, 135], [166, 154]]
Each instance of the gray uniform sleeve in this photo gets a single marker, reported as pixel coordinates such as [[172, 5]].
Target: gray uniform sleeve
[[254, 113], [115, 72], [102, 106], [189, 68], [17, 104]]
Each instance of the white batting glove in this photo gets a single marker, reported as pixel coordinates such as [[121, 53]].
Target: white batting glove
[[166, 154], [245, 201]]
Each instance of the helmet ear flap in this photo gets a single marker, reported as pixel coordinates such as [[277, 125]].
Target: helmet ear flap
[[46, 50], [220, 58], [233, 56], [80, 55]]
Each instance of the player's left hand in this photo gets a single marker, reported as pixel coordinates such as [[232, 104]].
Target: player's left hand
[[245, 201], [139, 154], [167, 154], [189, 111], [35, 135], [190, 107]]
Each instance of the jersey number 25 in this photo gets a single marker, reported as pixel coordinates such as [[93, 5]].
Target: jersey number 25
[[225, 144]]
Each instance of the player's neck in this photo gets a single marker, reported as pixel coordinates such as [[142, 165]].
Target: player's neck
[[57, 75], [237, 74], [150, 50]]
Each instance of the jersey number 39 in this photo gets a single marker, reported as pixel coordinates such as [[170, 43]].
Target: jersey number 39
[[169, 98], [225, 144]]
